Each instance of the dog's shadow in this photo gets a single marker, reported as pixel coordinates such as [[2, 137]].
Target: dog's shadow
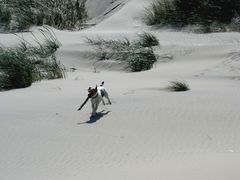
[[94, 119]]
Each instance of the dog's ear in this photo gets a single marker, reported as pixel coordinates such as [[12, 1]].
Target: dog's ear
[[89, 89], [96, 87]]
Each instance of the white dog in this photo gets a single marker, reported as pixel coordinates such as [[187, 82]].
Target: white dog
[[96, 95]]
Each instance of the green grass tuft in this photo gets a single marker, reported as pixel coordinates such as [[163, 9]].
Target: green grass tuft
[[213, 15], [159, 12], [137, 54], [20, 66], [61, 14], [147, 39], [178, 86], [16, 69]]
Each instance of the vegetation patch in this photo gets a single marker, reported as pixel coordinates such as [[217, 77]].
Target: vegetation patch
[[210, 15], [147, 39], [178, 86], [5, 17], [22, 65], [20, 15], [137, 54]]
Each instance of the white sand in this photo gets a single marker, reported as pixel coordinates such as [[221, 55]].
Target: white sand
[[148, 132]]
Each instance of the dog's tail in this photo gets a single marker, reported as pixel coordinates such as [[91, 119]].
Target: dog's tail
[[102, 83]]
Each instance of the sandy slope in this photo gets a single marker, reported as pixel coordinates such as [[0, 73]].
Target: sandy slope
[[148, 132], [99, 10]]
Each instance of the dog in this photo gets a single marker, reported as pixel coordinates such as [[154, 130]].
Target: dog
[[96, 95]]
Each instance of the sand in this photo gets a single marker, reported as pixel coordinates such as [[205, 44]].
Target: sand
[[147, 132]]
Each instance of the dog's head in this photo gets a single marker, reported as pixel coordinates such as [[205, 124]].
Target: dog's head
[[92, 91]]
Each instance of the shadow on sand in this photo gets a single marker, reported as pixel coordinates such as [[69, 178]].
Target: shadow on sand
[[94, 119]]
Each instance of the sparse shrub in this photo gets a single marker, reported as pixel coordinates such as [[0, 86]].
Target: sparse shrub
[[26, 63], [138, 54], [178, 86], [111, 49], [142, 60]]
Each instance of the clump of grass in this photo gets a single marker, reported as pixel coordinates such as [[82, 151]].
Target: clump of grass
[[20, 66], [178, 86], [111, 49], [47, 48], [5, 17], [61, 14], [48, 68], [214, 15], [141, 59], [159, 12], [137, 54], [147, 39], [16, 68]]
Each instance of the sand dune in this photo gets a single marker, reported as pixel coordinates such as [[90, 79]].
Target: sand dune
[[148, 132]]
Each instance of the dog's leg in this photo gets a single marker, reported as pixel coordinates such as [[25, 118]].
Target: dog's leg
[[93, 110], [106, 95], [103, 102], [108, 99], [96, 107]]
